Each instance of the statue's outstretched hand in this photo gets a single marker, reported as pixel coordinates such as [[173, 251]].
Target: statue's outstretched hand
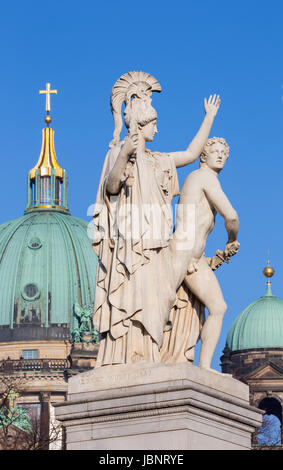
[[212, 105]]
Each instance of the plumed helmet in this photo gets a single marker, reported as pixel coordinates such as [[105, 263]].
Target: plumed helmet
[[135, 84]]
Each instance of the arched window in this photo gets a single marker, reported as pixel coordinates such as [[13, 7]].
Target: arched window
[[269, 433]]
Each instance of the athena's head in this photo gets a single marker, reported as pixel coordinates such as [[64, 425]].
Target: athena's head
[[134, 89], [139, 111]]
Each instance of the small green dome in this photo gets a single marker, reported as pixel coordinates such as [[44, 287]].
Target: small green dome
[[260, 325], [47, 264]]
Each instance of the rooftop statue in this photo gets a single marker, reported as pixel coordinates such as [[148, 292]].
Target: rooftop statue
[[149, 302]]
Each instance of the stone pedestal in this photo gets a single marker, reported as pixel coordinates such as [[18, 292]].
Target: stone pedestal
[[157, 407], [83, 356]]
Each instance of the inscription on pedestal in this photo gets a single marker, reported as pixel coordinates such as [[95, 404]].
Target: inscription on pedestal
[[98, 379]]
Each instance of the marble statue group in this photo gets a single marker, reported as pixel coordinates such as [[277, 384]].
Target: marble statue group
[[153, 280]]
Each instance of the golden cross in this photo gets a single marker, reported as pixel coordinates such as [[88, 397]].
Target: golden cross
[[47, 92]]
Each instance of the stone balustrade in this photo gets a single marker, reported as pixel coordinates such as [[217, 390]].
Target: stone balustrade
[[14, 365]]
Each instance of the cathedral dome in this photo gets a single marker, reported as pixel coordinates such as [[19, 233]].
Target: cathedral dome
[[46, 266], [260, 325]]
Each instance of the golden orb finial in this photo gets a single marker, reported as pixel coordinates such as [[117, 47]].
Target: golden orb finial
[[47, 119], [268, 270]]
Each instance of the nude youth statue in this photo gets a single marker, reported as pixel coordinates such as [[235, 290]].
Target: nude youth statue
[[202, 191]]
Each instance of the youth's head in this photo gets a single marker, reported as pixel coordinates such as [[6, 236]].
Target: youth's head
[[214, 154]]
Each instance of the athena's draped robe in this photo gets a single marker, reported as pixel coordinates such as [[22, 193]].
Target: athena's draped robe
[[135, 291]]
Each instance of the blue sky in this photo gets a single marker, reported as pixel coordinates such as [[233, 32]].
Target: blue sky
[[193, 49]]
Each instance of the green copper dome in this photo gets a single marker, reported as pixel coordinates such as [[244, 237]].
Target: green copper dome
[[47, 264], [260, 325]]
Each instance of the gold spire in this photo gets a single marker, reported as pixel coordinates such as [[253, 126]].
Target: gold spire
[[47, 159]]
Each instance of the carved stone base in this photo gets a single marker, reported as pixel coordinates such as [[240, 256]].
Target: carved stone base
[[157, 406], [83, 356]]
